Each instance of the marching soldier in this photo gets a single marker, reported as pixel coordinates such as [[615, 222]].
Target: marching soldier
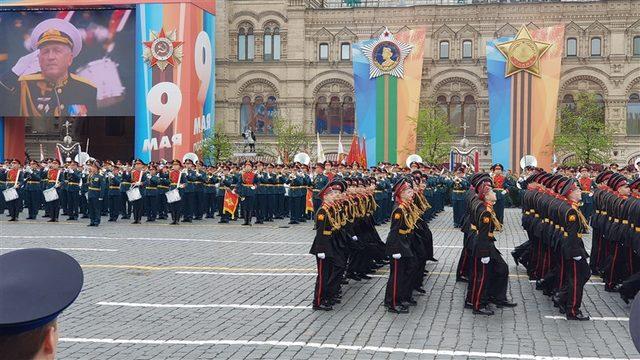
[[113, 193], [210, 182], [177, 180], [327, 227], [163, 187], [247, 192], [151, 193], [33, 188], [189, 201], [459, 187], [15, 179], [72, 180], [320, 181], [54, 174], [501, 185], [96, 185], [138, 176]]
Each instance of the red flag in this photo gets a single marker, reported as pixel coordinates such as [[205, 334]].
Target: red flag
[[309, 206], [354, 151], [230, 202], [363, 153]]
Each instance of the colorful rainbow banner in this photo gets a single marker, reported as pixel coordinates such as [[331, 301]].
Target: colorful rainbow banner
[[524, 76], [387, 74]]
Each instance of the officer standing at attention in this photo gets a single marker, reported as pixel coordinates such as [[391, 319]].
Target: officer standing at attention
[[189, 200], [35, 287], [138, 176], [33, 189], [95, 188]]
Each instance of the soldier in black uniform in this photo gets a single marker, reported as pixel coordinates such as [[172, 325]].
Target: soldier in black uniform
[[52, 91], [33, 188], [94, 193]]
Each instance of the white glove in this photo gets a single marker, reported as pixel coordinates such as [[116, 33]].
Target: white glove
[[577, 258], [354, 238], [485, 260], [321, 255], [396, 256], [28, 64]]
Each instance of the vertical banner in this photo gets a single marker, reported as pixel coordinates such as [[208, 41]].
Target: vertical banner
[[523, 80], [174, 79], [387, 74]]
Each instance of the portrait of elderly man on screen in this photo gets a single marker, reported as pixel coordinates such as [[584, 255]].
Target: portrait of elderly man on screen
[[40, 84]]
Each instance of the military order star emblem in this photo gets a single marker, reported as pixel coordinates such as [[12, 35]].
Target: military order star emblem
[[523, 53], [386, 55], [163, 49]]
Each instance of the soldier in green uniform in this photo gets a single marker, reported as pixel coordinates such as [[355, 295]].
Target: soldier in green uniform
[[113, 193], [51, 90], [72, 179], [151, 193], [320, 180], [33, 188], [94, 192]]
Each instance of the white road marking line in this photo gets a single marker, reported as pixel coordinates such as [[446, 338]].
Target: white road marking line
[[255, 274], [200, 306], [587, 283], [151, 239], [591, 318], [381, 349], [280, 254], [65, 249]]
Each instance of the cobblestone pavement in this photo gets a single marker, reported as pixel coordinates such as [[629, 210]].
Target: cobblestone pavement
[[209, 291]]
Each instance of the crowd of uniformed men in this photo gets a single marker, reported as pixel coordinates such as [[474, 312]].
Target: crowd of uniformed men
[[349, 201]]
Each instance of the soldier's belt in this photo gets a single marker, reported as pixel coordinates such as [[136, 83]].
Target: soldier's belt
[[616, 220], [114, 187], [326, 232], [604, 213], [223, 188], [459, 191], [546, 220], [297, 187], [72, 183], [174, 183], [377, 191], [162, 187], [586, 192], [557, 226], [197, 182], [598, 211], [316, 190], [638, 229], [566, 234], [94, 188], [125, 183], [404, 232], [267, 185], [625, 222], [51, 181], [33, 182], [151, 188], [210, 185]]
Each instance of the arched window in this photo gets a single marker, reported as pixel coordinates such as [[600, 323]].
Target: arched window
[[323, 52], [335, 113], [596, 46], [636, 46], [572, 47], [441, 102], [444, 49], [569, 102], [348, 115], [259, 115], [633, 114], [271, 49], [455, 114], [246, 42], [469, 113], [467, 51]]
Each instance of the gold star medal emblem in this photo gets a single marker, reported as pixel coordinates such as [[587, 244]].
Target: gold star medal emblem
[[162, 49], [523, 53]]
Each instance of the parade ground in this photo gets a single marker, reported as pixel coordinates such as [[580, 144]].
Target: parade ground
[[225, 291]]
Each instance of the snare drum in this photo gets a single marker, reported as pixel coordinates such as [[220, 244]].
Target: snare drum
[[50, 194], [133, 194], [10, 194], [172, 196]]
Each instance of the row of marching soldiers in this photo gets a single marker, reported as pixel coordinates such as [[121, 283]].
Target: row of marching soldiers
[[555, 255], [347, 243]]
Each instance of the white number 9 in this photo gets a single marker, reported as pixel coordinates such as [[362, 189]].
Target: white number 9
[[168, 110], [203, 58]]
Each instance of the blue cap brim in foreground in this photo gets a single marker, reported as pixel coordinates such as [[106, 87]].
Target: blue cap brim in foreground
[[634, 322], [36, 285]]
